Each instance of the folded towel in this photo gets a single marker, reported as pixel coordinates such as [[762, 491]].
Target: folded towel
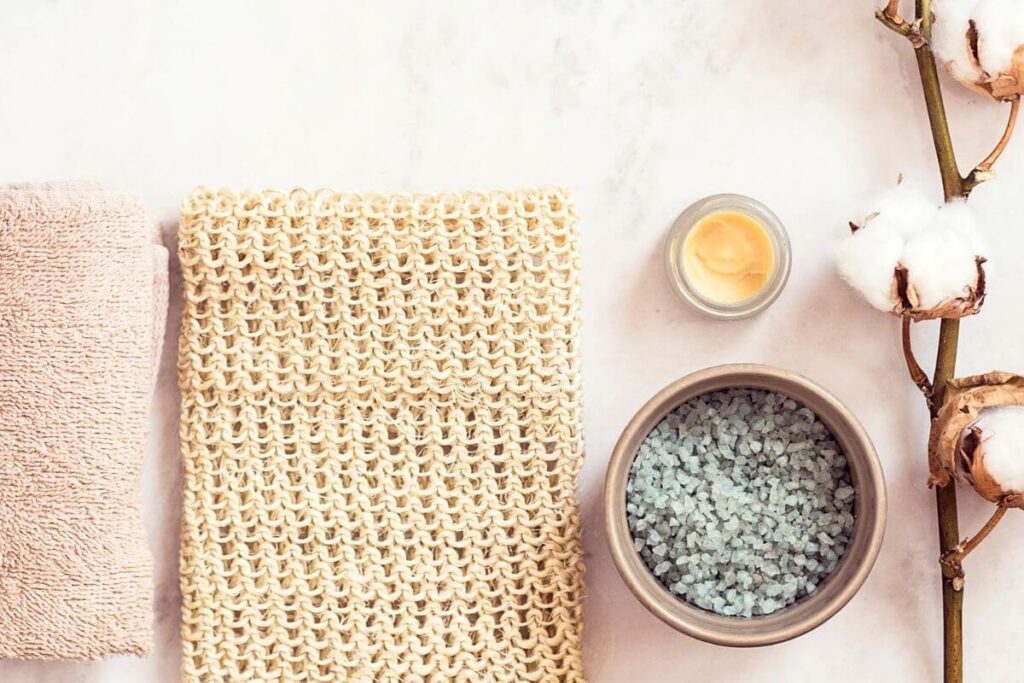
[[381, 437], [83, 295]]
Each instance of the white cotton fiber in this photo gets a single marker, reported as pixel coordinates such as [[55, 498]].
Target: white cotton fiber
[[1000, 25], [941, 261], [961, 218], [941, 266], [949, 37], [904, 210], [867, 261], [1002, 432], [1000, 30]]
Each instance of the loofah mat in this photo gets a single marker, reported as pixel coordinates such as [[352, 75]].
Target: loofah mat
[[381, 435]]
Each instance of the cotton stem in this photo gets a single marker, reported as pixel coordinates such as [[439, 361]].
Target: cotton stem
[[945, 363], [949, 525]]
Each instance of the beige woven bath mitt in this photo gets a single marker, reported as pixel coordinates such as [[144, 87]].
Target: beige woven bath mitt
[[83, 291], [381, 436]]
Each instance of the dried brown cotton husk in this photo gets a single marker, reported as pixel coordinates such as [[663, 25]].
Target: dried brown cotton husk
[[949, 449], [1007, 85]]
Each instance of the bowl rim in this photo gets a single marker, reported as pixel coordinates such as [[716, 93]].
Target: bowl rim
[[807, 613]]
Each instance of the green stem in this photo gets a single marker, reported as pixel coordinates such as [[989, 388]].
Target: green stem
[[945, 362], [952, 183], [949, 527]]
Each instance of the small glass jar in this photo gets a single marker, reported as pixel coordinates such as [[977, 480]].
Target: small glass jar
[[688, 219]]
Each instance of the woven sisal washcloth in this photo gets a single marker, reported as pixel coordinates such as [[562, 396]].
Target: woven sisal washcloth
[[381, 435], [83, 295]]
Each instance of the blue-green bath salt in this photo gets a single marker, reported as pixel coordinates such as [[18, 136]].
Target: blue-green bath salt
[[740, 502]]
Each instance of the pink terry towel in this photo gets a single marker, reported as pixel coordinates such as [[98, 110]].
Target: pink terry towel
[[83, 295]]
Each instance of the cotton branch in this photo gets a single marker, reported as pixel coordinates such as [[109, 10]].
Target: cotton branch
[[983, 171], [917, 374], [891, 19], [954, 557]]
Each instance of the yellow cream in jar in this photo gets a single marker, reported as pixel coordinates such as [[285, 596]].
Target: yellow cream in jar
[[728, 257]]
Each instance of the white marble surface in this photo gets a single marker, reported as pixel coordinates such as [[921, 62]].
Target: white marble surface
[[639, 107]]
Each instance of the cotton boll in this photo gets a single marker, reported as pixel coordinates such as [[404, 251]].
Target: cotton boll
[[911, 257], [956, 443], [1002, 446], [867, 261], [941, 265], [949, 38], [981, 42]]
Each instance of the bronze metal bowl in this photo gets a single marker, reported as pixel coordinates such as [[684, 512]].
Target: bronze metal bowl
[[833, 593]]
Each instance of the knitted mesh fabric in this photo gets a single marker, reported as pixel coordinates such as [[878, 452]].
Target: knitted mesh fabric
[[83, 294], [381, 436]]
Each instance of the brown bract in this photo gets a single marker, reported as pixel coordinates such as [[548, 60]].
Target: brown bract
[[1010, 84], [906, 301], [949, 449]]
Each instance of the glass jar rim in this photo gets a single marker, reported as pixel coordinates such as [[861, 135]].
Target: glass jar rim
[[689, 218]]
